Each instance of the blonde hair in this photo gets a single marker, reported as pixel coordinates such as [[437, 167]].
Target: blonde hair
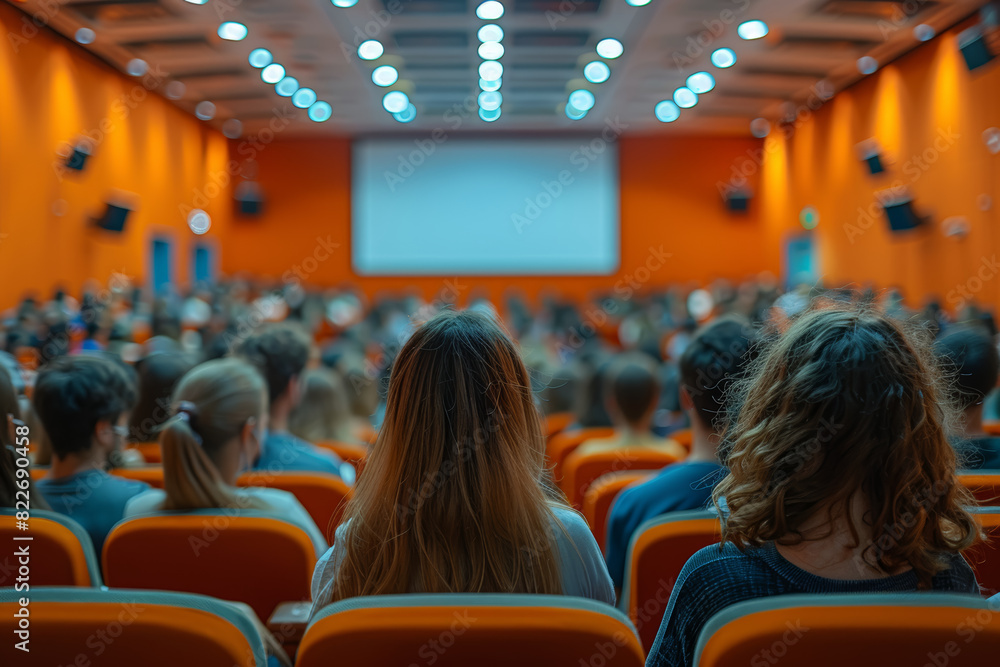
[[452, 497], [323, 412], [212, 404], [847, 403]]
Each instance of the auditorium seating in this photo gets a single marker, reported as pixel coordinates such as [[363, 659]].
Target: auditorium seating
[[683, 437], [60, 550], [356, 455], [251, 558], [600, 496], [992, 428], [323, 495], [985, 559], [460, 630], [151, 452], [581, 469], [658, 551], [984, 485], [833, 630], [152, 475], [562, 445], [127, 628], [556, 423]]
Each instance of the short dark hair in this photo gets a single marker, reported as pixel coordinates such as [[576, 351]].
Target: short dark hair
[[970, 359], [633, 385], [280, 352], [717, 355], [73, 393]]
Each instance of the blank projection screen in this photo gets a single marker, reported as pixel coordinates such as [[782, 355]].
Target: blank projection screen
[[485, 207]]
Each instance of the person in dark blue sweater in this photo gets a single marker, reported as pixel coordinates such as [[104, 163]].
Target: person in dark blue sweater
[[969, 356], [714, 358], [841, 478], [281, 353]]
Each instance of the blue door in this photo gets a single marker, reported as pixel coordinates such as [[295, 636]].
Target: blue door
[[162, 272], [202, 265], [800, 265]]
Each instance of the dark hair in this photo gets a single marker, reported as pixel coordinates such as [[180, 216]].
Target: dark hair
[[280, 352], [632, 385], [970, 358], [73, 393], [846, 403], [715, 357], [158, 374]]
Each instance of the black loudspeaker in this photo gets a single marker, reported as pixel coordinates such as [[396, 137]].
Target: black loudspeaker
[[77, 159], [249, 199], [871, 154], [738, 201], [900, 215], [975, 47], [113, 219]]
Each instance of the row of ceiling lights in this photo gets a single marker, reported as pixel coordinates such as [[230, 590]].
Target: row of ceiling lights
[[490, 50]]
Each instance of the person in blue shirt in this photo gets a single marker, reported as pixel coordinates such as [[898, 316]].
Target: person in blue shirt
[[970, 358], [83, 404], [712, 360], [281, 353], [841, 478]]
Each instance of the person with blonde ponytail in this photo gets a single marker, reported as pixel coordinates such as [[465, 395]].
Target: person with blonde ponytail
[[220, 412], [453, 497]]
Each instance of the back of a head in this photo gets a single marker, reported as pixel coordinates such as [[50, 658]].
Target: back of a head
[[323, 412], [717, 356], [451, 498], [845, 405], [158, 375], [280, 352], [210, 407], [633, 386], [9, 408], [72, 394], [970, 358]]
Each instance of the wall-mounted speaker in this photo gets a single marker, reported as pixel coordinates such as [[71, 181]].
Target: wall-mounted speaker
[[113, 218], [870, 152], [738, 201], [249, 198], [900, 214]]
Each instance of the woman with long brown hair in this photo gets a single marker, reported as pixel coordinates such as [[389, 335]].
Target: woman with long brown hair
[[453, 497], [841, 478]]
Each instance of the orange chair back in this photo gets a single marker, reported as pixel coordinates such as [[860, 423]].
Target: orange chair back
[[985, 558], [60, 550], [992, 428], [152, 475], [985, 486], [555, 423], [259, 560], [580, 470], [563, 444], [833, 630], [656, 555], [150, 451], [356, 455], [459, 630], [601, 495], [323, 495], [119, 628], [683, 437]]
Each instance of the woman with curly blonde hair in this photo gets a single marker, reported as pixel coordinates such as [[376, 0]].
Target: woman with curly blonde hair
[[841, 478]]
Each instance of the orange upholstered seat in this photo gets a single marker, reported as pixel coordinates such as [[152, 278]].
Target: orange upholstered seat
[[259, 560], [683, 438], [152, 475], [464, 630], [150, 451], [356, 455], [562, 445], [985, 558], [60, 552], [323, 495], [125, 628], [658, 551], [601, 495], [581, 469], [833, 630], [984, 484], [555, 423]]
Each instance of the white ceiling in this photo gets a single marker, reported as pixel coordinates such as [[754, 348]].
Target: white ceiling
[[433, 44]]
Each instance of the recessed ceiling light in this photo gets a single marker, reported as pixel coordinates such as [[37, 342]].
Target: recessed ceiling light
[[304, 98], [490, 70], [610, 48], [205, 110], [490, 32], [596, 72], [260, 58], [320, 111], [385, 76], [489, 10], [751, 29], [490, 85], [287, 86], [85, 36], [867, 65], [136, 67], [273, 73], [233, 31], [666, 111], [701, 82], [491, 50], [406, 115], [490, 100], [685, 98], [371, 50], [582, 99], [489, 116], [395, 101], [723, 58]]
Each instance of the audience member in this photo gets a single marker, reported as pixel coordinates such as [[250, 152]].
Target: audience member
[[324, 412]]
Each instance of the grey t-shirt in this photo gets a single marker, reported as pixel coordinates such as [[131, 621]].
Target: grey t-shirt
[[581, 564]]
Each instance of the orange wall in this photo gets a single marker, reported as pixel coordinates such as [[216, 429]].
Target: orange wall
[[52, 91], [928, 111], [669, 198]]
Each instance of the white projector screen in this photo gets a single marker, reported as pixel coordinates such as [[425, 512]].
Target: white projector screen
[[518, 206]]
